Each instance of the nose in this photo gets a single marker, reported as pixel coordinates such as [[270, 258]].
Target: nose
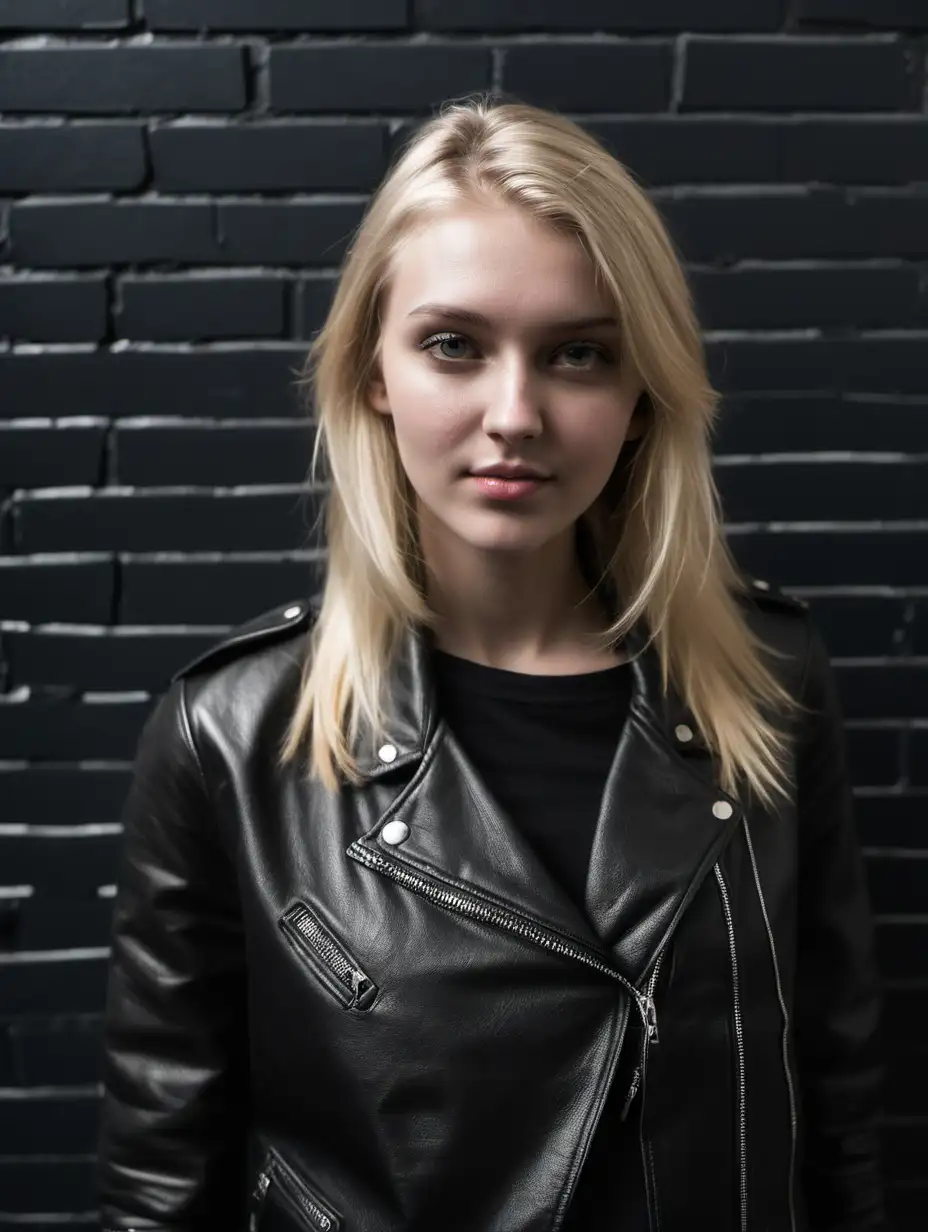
[[513, 405]]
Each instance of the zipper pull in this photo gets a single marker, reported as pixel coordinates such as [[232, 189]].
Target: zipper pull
[[261, 1187], [649, 1014], [650, 1019], [632, 1092]]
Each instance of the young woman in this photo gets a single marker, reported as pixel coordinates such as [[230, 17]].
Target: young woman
[[509, 884]]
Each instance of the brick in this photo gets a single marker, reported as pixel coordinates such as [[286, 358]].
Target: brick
[[286, 233], [62, 865], [874, 756], [79, 590], [788, 423], [901, 954], [78, 234], [884, 691], [698, 149], [314, 299], [591, 76], [270, 156], [64, 14], [854, 150], [918, 757], [45, 730], [374, 77], [878, 363], [225, 382], [47, 1124], [822, 491], [200, 591], [794, 74], [898, 821], [58, 1051], [201, 307], [42, 924], [65, 986], [119, 661], [150, 522], [859, 625], [632, 15], [46, 309], [63, 795], [788, 224], [301, 16], [885, 14], [920, 628], [811, 298], [841, 557], [51, 457], [898, 884], [103, 80], [223, 455], [86, 156]]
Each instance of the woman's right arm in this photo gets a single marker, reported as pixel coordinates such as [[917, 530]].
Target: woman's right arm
[[172, 1143]]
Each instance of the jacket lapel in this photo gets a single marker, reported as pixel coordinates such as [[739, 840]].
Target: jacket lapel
[[656, 837]]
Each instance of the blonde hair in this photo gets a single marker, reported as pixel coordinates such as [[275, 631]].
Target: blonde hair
[[656, 527]]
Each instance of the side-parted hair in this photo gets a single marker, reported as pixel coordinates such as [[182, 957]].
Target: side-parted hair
[[657, 526]]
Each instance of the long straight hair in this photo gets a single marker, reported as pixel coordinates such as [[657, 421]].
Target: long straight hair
[[656, 529]]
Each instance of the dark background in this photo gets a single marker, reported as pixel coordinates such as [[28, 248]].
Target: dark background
[[178, 180]]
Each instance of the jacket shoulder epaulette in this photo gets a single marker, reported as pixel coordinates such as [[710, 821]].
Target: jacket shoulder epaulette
[[765, 594], [271, 626]]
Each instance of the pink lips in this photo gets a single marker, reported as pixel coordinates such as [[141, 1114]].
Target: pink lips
[[507, 489]]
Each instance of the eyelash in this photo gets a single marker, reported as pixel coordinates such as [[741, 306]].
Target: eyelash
[[449, 336]]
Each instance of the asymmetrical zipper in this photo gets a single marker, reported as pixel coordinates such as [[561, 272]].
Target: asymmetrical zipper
[[649, 1036], [354, 988], [739, 1042], [786, 1066], [474, 908], [276, 1174]]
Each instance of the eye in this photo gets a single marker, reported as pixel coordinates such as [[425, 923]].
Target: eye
[[598, 352], [436, 340]]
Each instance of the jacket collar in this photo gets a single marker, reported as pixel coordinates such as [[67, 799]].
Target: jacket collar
[[662, 824]]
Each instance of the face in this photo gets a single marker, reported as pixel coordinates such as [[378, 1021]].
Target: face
[[538, 382]]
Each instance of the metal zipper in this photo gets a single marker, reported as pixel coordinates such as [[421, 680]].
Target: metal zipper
[[360, 989], [649, 1036], [786, 1066], [272, 1173], [454, 900], [739, 1037]]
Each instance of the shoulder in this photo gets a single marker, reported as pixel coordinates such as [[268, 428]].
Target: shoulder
[[782, 622], [275, 627]]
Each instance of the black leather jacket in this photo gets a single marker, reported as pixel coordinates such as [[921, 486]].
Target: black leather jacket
[[377, 1013]]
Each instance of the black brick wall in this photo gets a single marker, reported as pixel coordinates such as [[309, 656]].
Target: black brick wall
[[178, 180]]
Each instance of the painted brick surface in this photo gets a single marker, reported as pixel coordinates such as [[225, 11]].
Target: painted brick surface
[[179, 180]]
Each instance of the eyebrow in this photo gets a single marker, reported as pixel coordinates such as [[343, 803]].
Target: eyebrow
[[478, 318]]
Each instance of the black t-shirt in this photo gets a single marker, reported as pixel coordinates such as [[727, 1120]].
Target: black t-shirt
[[544, 746]]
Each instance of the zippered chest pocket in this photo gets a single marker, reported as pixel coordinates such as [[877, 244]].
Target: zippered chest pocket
[[283, 1202], [328, 957]]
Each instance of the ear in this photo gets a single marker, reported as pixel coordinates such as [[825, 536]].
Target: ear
[[377, 392], [640, 419]]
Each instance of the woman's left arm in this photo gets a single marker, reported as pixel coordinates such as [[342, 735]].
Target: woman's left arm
[[838, 1002]]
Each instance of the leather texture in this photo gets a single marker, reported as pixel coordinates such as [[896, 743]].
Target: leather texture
[[377, 1012]]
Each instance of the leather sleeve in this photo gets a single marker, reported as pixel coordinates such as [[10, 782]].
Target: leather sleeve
[[838, 1003], [171, 1148]]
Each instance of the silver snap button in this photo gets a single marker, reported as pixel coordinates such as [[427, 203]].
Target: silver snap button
[[291, 613], [722, 809], [387, 752], [682, 732], [395, 832]]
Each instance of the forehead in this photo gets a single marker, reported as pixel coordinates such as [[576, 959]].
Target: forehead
[[498, 260]]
